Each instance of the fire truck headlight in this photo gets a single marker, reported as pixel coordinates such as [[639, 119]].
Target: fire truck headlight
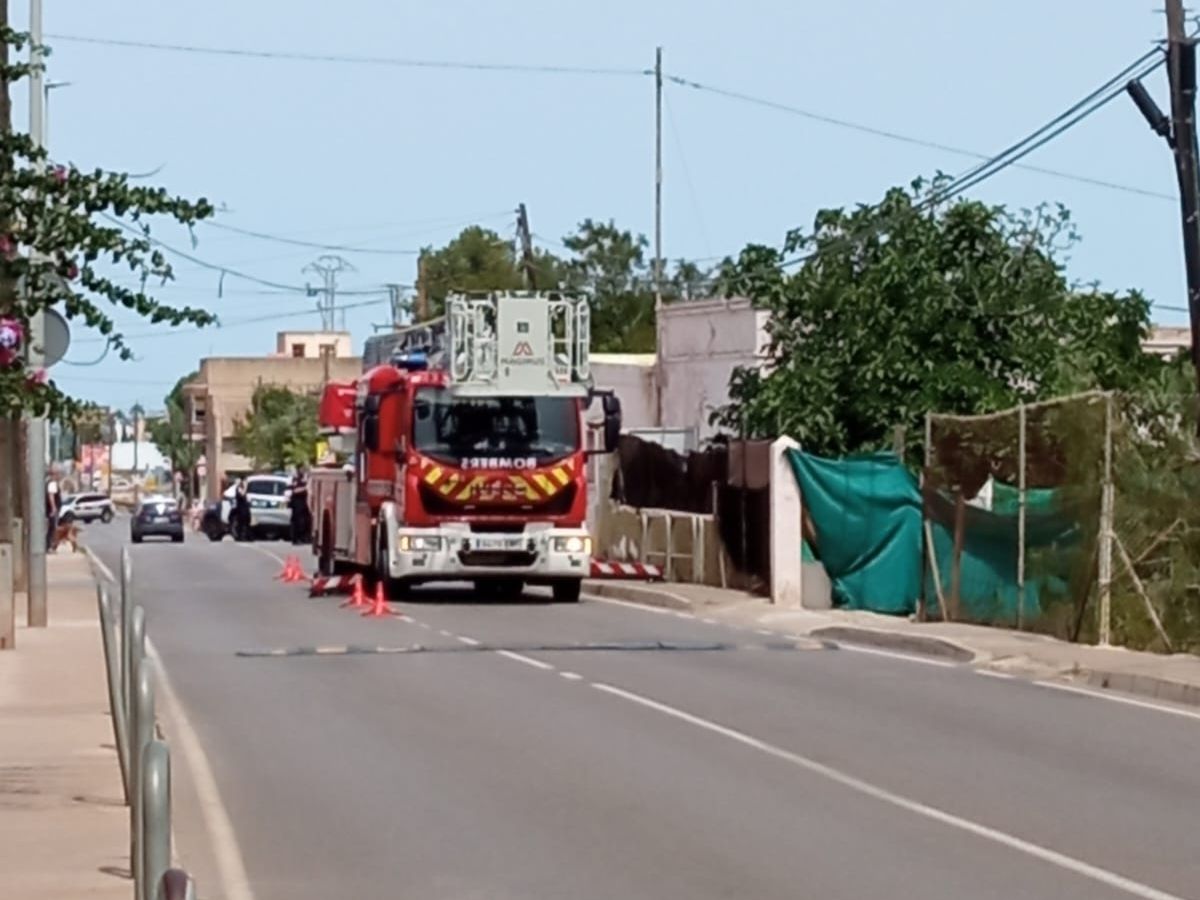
[[420, 543], [573, 545]]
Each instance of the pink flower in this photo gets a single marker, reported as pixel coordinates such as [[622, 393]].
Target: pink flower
[[7, 247], [38, 376], [72, 272], [11, 334], [60, 174]]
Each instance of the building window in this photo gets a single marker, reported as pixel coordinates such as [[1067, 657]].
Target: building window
[[298, 351]]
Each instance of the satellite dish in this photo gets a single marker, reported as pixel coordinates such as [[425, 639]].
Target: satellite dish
[[56, 337]]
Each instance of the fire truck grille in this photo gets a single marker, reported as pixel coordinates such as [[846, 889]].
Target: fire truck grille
[[497, 558], [437, 505]]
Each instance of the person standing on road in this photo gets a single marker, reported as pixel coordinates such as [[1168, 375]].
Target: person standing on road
[[53, 506], [241, 511], [299, 503]]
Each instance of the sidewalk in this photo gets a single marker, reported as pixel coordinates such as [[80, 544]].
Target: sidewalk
[[1173, 678], [64, 828]]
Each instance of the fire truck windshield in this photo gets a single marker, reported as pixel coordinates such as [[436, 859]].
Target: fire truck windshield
[[498, 431]]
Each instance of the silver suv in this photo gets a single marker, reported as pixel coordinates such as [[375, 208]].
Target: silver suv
[[86, 508]]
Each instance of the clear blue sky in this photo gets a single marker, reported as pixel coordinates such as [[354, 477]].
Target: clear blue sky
[[395, 157]]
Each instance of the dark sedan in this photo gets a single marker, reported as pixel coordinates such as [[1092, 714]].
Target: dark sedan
[[157, 517]]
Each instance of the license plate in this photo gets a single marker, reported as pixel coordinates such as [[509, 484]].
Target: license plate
[[499, 543], [160, 518]]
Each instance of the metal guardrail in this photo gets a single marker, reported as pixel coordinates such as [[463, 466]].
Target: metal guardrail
[[145, 760]]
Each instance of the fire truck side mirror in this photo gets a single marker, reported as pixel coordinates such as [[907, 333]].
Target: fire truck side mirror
[[612, 422]]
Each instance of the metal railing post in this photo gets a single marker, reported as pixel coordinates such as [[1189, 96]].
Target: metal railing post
[[141, 732], [176, 885], [127, 638], [156, 818], [112, 660]]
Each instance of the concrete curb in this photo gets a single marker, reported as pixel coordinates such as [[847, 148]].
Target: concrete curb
[[639, 593], [1145, 686], [890, 640]]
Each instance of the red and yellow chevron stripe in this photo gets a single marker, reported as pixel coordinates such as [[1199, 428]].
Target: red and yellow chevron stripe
[[497, 486]]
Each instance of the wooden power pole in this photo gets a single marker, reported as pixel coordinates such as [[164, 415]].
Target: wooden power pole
[[1181, 67], [526, 248]]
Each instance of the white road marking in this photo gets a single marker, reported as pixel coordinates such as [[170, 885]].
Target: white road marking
[[263, 550], [710, 621], [235, 883], [988, 673], [469, 641], [765, 632], [444, 633], [906, 657], [1118, 698], [1069, 863], [99, 564], [657, 610], [571, 676], [425, 625], [528, 660], [331, 651], [680, 614]]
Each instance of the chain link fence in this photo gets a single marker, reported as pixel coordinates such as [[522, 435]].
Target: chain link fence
[[1072, 517]]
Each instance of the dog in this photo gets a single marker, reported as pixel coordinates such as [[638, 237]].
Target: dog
[[66, 532]]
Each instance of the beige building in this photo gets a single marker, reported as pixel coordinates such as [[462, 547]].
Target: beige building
[[221, 392], [1167, 340]]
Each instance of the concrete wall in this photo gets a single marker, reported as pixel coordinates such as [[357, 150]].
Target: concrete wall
[[701, 344]]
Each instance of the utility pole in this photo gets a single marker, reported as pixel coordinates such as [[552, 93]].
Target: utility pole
[[397, 305], [658, 179], [329, 267], [422, 291], [526, 248], [35, 432], [658, 266], [9, 460], [1181, 66], [1179, 131]]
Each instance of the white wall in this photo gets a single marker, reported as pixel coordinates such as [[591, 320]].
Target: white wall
[[701, 344], [631, 376]]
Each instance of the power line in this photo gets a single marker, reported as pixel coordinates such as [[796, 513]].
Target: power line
[[921, 142], [237, 323], [226, 270], [279, 239], [1069, 118], [391, 61]]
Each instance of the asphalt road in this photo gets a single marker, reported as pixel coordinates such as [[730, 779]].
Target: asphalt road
[[529, 750]]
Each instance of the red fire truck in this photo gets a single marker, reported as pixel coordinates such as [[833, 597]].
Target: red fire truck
[[463, 458]]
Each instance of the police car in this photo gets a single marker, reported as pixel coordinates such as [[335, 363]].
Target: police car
[[270, 515]]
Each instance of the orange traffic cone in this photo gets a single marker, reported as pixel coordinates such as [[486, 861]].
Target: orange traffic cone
[[359, 597], [292, 571], [379, 608]]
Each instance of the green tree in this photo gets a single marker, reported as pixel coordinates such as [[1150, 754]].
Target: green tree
[[171, 434], [280, 429], [479, 259], [611, 264], [912, 305], [52, 241], [608, 262]]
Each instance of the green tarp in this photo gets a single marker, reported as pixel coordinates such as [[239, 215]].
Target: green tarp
[[867, 514]]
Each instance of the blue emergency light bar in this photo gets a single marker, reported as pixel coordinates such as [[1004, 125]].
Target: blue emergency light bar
[[414, 361]]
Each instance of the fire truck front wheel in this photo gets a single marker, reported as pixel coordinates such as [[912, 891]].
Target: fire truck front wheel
[[567, 590], [394, 588]]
